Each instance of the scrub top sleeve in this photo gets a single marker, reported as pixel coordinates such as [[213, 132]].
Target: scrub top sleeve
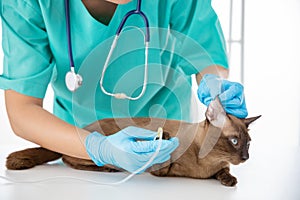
[[200, 38], [28, 61]]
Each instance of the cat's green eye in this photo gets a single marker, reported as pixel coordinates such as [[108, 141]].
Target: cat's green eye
[[234, 141]]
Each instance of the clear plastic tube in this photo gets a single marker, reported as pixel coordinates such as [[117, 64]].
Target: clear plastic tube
[[54, 178]]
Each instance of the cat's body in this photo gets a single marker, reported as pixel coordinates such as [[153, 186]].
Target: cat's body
[[205, 150]]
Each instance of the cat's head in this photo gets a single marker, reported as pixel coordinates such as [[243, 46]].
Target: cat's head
[[227, 135]]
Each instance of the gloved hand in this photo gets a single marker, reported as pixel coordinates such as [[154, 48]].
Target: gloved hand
[[122, 150], [231, 94]]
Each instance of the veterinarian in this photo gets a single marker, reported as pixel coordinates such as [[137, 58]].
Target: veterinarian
[[185, 39]]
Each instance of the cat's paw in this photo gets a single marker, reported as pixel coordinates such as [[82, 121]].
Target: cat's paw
[[30, 157], [226, 178], [15, 162]]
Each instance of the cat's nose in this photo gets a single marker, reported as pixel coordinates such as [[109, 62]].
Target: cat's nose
[[245, 157]]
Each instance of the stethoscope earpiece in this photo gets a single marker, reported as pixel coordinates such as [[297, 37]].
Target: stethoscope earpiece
[[73, 81]]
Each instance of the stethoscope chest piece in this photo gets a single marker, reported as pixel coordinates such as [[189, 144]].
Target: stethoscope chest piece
[[73, 81]]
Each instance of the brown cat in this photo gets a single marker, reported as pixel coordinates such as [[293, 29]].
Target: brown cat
[[206, 149]]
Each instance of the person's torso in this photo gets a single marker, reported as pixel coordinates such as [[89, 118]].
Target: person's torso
[[168, 89]]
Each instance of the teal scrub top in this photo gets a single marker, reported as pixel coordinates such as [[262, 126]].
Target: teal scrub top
[[185, 38]]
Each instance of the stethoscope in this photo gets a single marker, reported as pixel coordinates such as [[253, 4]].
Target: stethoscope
[[74, 81]]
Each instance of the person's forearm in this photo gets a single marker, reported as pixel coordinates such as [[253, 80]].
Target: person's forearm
[[31, 122], [214, 69]]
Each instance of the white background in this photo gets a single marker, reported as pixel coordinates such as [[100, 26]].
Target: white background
[[272, 86], [272, 69]]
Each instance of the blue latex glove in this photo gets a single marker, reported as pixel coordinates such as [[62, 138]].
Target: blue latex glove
[[122, 150], [231, 94]]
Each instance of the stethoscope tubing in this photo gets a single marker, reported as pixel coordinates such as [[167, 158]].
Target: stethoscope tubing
[[68, 29], [137, 11], [73, 80], [123, 95]]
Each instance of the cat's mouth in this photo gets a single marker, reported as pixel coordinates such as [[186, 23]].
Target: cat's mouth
[[237, 161]]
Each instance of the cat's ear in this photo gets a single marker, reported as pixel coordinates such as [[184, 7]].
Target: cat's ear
[[249, 120], [216, 114]]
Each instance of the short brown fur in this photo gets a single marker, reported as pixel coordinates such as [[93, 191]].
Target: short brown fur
[[204, 152]]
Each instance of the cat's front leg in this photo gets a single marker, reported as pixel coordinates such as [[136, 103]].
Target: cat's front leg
[[225, 177]]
